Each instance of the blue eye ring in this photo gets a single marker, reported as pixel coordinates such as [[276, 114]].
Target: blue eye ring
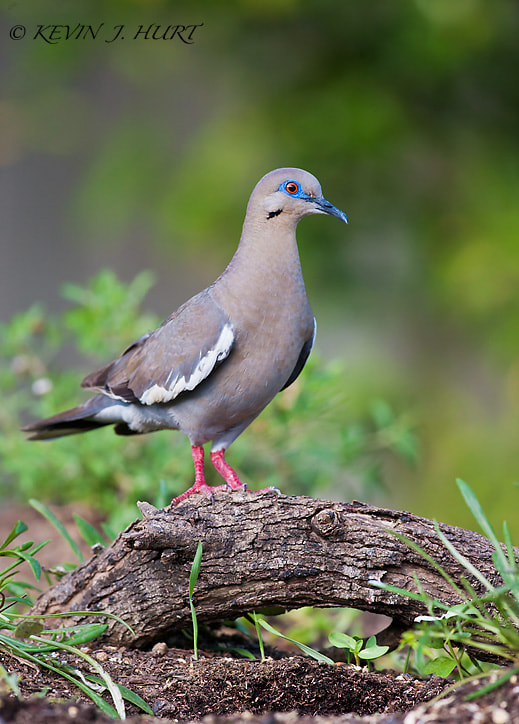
[[293, 188]]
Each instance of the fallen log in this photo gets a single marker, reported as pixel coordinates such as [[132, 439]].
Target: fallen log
[[262, 550]]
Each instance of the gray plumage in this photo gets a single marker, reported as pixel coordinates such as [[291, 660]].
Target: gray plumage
[[217, 361]]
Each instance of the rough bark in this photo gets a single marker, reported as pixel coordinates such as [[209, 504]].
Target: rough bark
[[261, 550]]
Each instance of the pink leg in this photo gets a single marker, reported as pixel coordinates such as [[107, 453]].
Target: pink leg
[[228, 474], [226, 471], [200, 485]]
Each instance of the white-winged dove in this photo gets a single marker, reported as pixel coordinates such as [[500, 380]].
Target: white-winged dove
[[217, 361]]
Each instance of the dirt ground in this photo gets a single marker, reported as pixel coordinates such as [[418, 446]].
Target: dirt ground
[[223, 690], [179, 688]]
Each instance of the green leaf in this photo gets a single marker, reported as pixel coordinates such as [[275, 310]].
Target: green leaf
[[43, 510], [493, 685], [342, 641], [25, 546], [256, 620], [17, 530], [34, 564], [509, 544], [373, 652], [461, 559], [311, 652], [87, 633], [193, 577], [126, 693], [407, 446], [62, 670], [112, 688], [108, 531], [89, 534], [478, 513], [381, 413], [28, 628], [244, 652], [195, 568], [441, 666]]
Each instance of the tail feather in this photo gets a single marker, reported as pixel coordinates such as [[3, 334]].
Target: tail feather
[[78, 419]]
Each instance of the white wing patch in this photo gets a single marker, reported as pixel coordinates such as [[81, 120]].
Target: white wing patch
[[175, 384]]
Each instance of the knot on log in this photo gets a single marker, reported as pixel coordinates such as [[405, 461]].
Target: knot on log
[[328, 523], [162, 533]]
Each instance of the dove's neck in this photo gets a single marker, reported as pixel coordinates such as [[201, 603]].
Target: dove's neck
[[266, 264]]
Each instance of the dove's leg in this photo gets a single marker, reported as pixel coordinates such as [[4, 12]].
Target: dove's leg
[[225, 470], [229, 475], [200, 485]]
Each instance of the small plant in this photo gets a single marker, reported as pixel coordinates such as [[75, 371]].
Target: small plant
[[304, 648], [355, 646], [487, 623], [257, 624], [193, 577], [23, 636]]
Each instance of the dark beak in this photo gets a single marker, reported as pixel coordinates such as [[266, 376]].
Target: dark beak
[[325, 207]]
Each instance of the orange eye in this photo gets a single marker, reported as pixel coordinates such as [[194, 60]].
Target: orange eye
[[292, 187]]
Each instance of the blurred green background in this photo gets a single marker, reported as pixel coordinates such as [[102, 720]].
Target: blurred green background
[[141, 154]]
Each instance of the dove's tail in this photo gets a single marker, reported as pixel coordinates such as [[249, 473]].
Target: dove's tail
[[82, 418]]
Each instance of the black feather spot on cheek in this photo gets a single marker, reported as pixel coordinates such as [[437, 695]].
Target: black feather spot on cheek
[[274, 213]]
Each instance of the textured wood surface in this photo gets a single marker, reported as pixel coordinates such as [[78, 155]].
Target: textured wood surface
[[261, 550]]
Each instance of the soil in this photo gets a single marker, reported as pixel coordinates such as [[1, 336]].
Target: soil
[[224, 690], [179, 688]]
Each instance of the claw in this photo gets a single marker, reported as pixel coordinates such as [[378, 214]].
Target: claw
[[232, 482]]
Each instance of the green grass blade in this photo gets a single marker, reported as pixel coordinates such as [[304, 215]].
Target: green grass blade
[[89, 534], [195, 629], [494, 685], [82, 634], [414, 546], [34, 564], [244, 652], [61, 671], [102, 614], [401, 591], [135, 699], [109, 532], [307, 650], [509, 545], [112, 688], [195, 568], [462, 560], [256, 620], [127, 694], [193, 577], [49, 515], [477, 511]]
